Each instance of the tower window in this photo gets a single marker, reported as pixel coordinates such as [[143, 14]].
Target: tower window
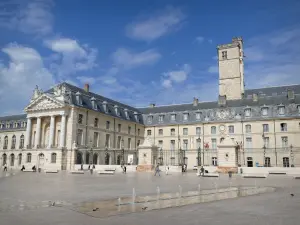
[[224, 55]]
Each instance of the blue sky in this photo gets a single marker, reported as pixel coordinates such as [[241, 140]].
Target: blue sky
[[141, 51]]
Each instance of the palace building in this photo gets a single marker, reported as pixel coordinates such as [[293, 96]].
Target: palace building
[[67, 126]]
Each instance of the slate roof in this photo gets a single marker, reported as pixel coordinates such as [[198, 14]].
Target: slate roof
[[13, 117]]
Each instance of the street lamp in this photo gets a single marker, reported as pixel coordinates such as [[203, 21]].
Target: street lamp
[[122, 151], [292, 156], [264, 148], [199, 156]]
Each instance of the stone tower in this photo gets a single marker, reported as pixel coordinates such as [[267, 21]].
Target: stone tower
[[231, 69]]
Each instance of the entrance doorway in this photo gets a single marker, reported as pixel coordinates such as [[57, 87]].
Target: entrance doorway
[[249, 162], [41, 161]]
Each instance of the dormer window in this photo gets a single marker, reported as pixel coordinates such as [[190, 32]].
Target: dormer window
[[150, 119], [93, 101], [247, 112], [185, 116], [126, 113], [264, 111], [173, 117], [117, 111], [136, 117], [105, 106], [198, 115], [298, 107], [78, 98], [281, 110], [161, 118]]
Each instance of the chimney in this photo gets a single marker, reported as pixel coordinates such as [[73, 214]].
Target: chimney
[[222, 100], [87, 87], [291, 95], [195, 101], [152, 105]]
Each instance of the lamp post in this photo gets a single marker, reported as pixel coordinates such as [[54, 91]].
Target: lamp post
[[199, 156], [291, 156], [91, 152], [106, 155], [264, 159], [122, 151]]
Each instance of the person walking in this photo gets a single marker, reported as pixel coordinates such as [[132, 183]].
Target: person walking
[[167, 170], [5, 167], [202, 171], [157, 170], [125, 169]]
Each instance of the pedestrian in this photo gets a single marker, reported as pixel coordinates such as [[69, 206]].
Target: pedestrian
[[94, 167], [202, 171], [124, 169], [157, 170], [5, 167], [23, 168], [89, 167], [167, 170], [81, 167]]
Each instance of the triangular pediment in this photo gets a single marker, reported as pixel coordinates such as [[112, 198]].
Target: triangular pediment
[[44, 102]]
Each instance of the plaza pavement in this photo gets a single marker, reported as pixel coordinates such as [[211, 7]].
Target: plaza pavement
[[24, 199]]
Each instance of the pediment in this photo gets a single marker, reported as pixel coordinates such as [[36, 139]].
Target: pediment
[[44, 102]]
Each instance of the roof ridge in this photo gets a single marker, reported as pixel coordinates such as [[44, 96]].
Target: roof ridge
[[289, 85]]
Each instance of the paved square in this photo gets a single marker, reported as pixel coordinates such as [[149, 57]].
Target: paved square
[[26, 198]]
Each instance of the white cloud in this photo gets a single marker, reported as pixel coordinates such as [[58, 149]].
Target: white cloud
[[124, 58], [88, 80], [17, 79], [167, 83], [213, 69], [253, 54], [199, 39], [74, 57], [156, 25], [176, 76]]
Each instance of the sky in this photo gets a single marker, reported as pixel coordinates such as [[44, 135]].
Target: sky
[[142, 51]]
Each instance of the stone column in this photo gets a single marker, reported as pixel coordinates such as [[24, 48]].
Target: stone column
[[28, 133], [62, 131], [38, 132], [51, 135]]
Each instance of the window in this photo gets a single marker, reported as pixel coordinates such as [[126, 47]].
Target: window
[[5, 142], [160, 144], [150, 119], [129, 129], [185, 131], [107, 125], [161, 118], [22, 141], [172, 145], [138, 142], [129, 143], [119, 127], [139, 132], [281, 110], [149, 132], [20, 159], [13, 142], [298, 107], [79, 137], [119, 142], [267, 162], [28, 160], [248, 128], [80, 118], [214, 143], [213, 130], [214, 161], [185, 116], [53, 158], [107, 140], [248, 143], [286, 162], [231, 129], [198, 143], [96, 136], [198, 116], [224, 54], [185, 144], [266, 142], [284, 141], [173, 117], [172, 132], [247, 112], [4, 159], [265, 127], [264, 111], [198, 130], [96, 122], [283, 127], [160, 132]]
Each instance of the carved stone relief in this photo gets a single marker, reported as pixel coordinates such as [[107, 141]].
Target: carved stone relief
[[44, 104]]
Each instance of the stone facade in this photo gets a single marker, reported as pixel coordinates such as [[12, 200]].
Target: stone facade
[[67, 125]]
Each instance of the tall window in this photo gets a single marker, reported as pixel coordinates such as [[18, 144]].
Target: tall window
[[224, 54], [96, 136], [214, 143], [248, 128], [248, 143], [213, 130], [96, 121], [20, 159], [214, 161], [198, 130], [79, 137], [4, 159], [265, 127], [267, 162], [160, 144], [5, 142], [185, 116], [107, 140], [139, 132], [283, 127], [284, 141], [28, 158], [247, 112], [80, 118], [172, 132], [185, 144], [198, 143], [119, 127], [198, 116], [13, 142], [161, 118], [185, 131], [119, 142], [231, 129], [160, 132], [173, 117], [149, 119], [129, 143], [53, 158], [129, 129], [107, 125], [172, 145], [286, 162], [281, 110], [22, 141], [149, 132], [266, 142], [138, 142], [264, 111]]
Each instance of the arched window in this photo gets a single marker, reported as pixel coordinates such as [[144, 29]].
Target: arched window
[[107, 159], [87, 158], [119, 160], [12, 159], [28, 158], [95, 159], [79, 158], [4, 159], [213, 130], [5, 142], [20, 159], [53, 158], [248, 128], [13, 142], [22, 141]]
